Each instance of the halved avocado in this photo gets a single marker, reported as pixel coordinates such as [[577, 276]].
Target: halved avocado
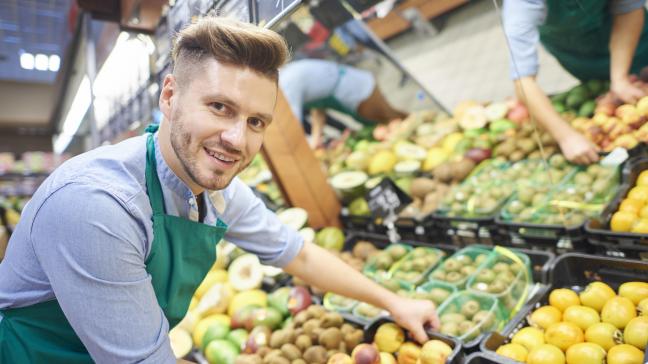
[[349, 185]]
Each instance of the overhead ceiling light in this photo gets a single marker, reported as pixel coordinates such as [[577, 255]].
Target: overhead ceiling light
[[54, 62], [42, 62], [27, 61]]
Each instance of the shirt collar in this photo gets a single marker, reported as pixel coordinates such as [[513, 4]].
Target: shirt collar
[[167, 177]]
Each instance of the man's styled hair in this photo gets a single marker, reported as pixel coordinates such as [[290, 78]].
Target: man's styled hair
[[229, 42]]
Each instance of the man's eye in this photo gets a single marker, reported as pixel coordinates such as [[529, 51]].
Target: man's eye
[[256, 123], [218, 106]]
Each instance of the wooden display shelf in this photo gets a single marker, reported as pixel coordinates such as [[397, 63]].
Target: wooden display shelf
[[296, 170], [394, 23]]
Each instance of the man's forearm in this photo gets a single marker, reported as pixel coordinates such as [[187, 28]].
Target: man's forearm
[[626, 31], [540, 108], [324, 270]]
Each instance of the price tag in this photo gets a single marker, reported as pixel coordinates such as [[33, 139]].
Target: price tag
[[386, 198], [615, 158]]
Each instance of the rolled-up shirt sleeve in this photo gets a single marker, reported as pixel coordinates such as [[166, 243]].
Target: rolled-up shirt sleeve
[[521, 21], [91, 247], [618, 7], [255, 229]]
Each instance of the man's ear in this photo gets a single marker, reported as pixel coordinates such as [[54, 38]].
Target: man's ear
[[169, 89]]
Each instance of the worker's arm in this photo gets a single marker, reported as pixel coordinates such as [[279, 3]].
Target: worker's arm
[[521, 21], [573, 144], [626, 30], [318, 120], [320, 268]]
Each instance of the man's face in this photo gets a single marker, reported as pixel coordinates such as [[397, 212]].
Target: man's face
[[218, 117]]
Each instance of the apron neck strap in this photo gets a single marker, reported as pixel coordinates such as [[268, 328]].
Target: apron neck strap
[[154, 189]]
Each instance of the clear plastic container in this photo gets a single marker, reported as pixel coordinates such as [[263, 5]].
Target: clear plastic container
[[435, 291], [335, 302], [472, 314], [503, 278], [460, 266], [378, 265], [368, 312], [417, 264]]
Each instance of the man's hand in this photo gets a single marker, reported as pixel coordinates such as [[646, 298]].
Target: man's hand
[[626, 91], [415, 316], [577, 149]]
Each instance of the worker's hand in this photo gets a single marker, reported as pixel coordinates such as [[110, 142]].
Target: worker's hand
[[415, 316], [626, 90], [578, 149]]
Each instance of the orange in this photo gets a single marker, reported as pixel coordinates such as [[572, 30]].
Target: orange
[[563, 335], [625, 354], [545, 316], [639, 193], [622, 221], [631, 205], [643, 213], [640, 227], [642, 180], [585, 353], [596, 294], [604, 334], [618, 311], [513, 351], [562, 298], [546, 354], [582, 316]]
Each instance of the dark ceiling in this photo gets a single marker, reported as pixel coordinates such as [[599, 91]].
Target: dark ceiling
[[33, 26]]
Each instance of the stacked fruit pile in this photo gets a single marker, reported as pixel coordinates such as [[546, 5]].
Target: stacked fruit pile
[[391, 345], [595, 326], [632, 215]]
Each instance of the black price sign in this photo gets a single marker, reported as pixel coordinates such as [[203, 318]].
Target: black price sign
[[386, 198]]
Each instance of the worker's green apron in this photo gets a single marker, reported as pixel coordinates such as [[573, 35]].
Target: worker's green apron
[[577, 33], [182, 253]]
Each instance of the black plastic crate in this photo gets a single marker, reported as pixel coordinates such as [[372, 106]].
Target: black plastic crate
[[482, 358], [557, 238], [619, 244], [359, 222], [464, 231], [574, 271], [382, 241], [455, 357], [411, 228]]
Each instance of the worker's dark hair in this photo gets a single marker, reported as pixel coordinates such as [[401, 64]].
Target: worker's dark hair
[[230, 42]]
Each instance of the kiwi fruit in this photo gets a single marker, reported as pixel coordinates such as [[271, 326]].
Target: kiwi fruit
[[468, 270], [454, 277], [479, 259], [438, 295], [505, 277], [485, 318], [330, 338], [452, 265], [452, 317], [303, 342], [468, 330], [397, 251], [291, 351], [439, 275], [485, 276], [470, 308], [450, 329], [464, 260], [500, 267], [315, 354], [497, 287]]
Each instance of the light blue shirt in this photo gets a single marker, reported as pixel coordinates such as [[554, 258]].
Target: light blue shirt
[[85, 235], [521, 21]]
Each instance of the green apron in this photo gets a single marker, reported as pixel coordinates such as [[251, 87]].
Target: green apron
[[182, 253], [577, 33]]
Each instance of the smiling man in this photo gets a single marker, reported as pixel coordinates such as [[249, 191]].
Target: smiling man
[[113, 244]]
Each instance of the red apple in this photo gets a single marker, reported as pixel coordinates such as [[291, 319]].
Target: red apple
[[365, 354], [299, 300]]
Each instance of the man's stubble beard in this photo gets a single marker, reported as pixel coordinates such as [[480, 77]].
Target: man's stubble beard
[[181, 142]]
